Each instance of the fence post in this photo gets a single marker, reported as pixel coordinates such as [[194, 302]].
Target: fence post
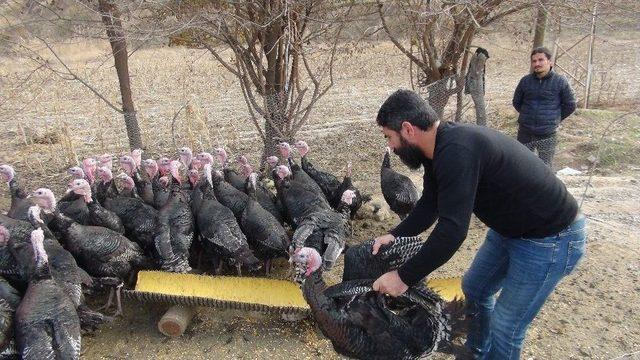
[[587, 88]]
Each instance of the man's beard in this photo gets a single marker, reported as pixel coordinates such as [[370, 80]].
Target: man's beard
[[410, 155]]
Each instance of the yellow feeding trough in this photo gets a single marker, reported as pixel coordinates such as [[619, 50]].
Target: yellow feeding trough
[[449, 289], [230, 292], [242, 293]]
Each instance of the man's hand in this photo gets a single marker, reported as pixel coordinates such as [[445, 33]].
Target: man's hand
[[382, 240], [390, 283]]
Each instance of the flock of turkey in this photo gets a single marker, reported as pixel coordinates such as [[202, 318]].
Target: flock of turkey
[[177, 214]]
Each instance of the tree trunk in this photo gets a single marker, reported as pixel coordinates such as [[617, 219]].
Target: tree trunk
[[438, 96], [111, 19], [475, 86], [275, 125], [540, 26]]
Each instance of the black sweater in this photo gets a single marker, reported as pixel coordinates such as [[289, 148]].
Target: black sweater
[[479, 170]]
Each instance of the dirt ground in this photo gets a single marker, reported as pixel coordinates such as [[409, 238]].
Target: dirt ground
[[594, 313]]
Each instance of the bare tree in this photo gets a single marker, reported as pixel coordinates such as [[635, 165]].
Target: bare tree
[[110, 15], [540, 24], [38, 15], [435, 34], [283, 54]]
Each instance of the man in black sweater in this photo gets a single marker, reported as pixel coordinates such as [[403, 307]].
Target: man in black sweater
[[543, 99], [535, 234]]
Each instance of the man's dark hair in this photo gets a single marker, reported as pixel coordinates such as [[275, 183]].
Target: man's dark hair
[[406, 105], [541, 50]]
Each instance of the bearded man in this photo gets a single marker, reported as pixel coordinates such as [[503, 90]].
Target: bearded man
[[536, 235]]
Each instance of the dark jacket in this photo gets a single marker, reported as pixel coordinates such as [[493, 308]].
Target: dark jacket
[[543, 103]]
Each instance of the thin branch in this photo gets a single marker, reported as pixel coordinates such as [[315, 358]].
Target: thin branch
[[76, 77]]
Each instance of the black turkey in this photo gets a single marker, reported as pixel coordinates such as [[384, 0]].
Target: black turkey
[[231, 176], [236, 200], [100, 251], [298, 199], [19, 202], [105, 186], [329, 184], [398, 190], [47, 325], [326, 231], [140, 220], [360, 263], [98, 216], [9, 268], [143, 186], [299, 175], [9, 301], [264, 196], [364, 324], [264, 232], [176, 226], [64, 270], [71, 204], [219, 231]]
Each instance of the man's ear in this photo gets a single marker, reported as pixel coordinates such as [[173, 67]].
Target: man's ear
[[407, 129]]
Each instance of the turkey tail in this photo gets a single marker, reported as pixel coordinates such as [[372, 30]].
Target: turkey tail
[[90, 320]]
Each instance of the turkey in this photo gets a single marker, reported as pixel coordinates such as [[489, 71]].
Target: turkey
[[331, 187], [398, 190], [100, 251], [105, 187], [329, 184], [19, 202], [326, 231], [106, 160], [47, 325], [139, 219], [298, 198], [98, 216], [143, 186], [264, 232], [9, 301], [219, 231], [236, 200], [297, 174], [64, 270], [230, 175], [265, 198], [176, 227], [72, 204], [360, 263], [90, 166], [363, 324], [9, 268], [186, 156]]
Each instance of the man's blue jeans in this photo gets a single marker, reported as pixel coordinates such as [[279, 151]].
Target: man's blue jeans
[[527, 271]]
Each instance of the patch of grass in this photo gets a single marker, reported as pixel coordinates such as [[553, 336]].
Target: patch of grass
[[603, 136]]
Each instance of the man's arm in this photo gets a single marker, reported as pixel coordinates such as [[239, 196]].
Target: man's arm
[[518, 95], [422, 216], [567, 100], [457, 179]]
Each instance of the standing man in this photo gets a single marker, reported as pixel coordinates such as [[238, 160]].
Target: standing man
[[535, 236], [543, 99]]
